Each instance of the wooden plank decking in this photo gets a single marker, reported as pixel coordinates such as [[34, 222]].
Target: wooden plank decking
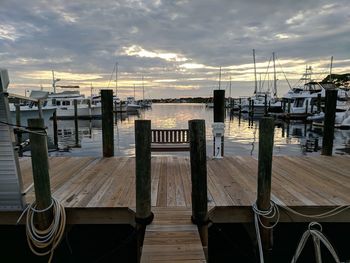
[[172, 238], [304, 183], [102, 191]]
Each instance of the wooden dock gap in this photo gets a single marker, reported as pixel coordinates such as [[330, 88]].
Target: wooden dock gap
[[172, 237]]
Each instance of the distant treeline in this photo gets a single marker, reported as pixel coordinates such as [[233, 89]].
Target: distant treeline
[[338, 79], [184, 100]]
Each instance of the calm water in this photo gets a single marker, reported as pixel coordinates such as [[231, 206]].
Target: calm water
[[241, 134]]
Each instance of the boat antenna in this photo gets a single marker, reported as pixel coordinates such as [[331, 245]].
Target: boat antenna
[[134, 93], [330, 70], [143, 90], [230, 87], [91, 88], [116, 79], [220, 78], [274, 76], [54, 81], [256, 83]]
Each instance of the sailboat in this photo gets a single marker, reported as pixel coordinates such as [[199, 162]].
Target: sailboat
[[262, 101]]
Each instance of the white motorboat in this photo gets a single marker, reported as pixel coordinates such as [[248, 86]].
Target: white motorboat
[[64, 102], [96, 106], [30, 109], [131, 104]]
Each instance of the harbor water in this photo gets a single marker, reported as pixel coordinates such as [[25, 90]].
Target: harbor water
[[241, 133]]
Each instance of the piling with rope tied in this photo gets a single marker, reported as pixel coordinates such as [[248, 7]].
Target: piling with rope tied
[[198, 158], [40, 166], [266, 136]]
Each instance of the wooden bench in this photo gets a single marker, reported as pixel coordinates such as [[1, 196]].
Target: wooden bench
[[175, 140]]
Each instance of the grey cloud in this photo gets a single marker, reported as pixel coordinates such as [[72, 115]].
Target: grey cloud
[[92, 35]]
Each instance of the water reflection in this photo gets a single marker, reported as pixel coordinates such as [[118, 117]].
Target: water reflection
[[241, 133]]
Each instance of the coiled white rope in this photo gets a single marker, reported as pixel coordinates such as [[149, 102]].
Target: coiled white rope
[[273, 212], [44, 242]]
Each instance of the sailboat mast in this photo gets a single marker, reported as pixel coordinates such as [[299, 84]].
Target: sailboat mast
[[256, 83], [134, 93], [53, 82], [116, 79], [330, 70], [274, 76], [143, 90], [220, 78], [230, 87]]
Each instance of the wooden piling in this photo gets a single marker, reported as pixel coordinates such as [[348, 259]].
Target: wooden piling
[[329, 119], [265, 105], [107, 123], [76, 127], [19, 133], [55, 128], [143, 168], [219, 105], [199, 196], [266, 135], [144, 215], [40, 166], [219, 114]]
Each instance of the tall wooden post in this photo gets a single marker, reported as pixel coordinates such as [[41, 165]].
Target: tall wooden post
[[266, 135], [329, 119], [76, 126], [107, 123], [144, 215], [219, 105], [19, 133], [40, 166], [265, 105], [219, 117], [143, 168], [55, 135], [198, 159]]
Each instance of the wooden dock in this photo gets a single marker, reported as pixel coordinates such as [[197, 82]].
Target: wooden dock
[[102, 191], [101, 186]]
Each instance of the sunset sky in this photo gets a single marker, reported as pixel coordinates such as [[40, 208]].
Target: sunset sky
[[177, 47]]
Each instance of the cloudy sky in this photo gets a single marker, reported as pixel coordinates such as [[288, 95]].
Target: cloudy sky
[[176, 47]]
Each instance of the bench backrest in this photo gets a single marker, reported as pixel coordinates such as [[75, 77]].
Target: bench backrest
[[170, 136]]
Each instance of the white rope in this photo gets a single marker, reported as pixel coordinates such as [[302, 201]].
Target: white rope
[[272, 212], [317, 236], [44, 242]]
